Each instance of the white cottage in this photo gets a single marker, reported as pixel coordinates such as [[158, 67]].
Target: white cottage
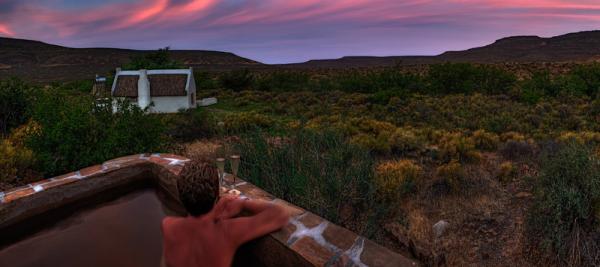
[[168, 90]]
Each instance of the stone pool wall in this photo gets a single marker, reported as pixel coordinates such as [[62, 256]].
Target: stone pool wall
[[308, 240]]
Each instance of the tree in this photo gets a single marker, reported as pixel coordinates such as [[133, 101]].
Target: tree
[[15, 100], [159, 59]]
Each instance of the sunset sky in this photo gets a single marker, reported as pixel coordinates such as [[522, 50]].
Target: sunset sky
[[279, 31]]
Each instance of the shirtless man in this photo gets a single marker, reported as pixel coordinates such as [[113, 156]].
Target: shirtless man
[[213, 232]]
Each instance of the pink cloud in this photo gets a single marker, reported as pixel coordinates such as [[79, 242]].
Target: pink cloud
[[169, 13], [5, 30], [281, 11], [144, 13]]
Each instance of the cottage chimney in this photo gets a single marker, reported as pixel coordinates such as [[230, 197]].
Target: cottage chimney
[[143, 90]]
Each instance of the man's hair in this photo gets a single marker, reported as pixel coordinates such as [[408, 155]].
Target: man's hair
[[198, 187]]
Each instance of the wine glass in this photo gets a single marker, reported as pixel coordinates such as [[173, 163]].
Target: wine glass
[[221, 167], [235, 165]]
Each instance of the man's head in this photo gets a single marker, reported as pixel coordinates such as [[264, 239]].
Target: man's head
[[198, 187]]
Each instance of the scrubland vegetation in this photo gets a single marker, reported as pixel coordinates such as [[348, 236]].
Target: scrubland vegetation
[[509, 161]]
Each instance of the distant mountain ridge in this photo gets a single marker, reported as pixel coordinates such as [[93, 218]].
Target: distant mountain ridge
[[580, 46], [38, 61]]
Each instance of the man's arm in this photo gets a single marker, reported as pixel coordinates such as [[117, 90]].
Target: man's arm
[[267, 217]]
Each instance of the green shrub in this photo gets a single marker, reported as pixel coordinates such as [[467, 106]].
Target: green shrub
[[595, 107], [317, 171], [237, 80], [563, 214], [405, 140], [589, 74], [583, 137], [160, 59], [76, 131], [190, 124], [485, 141], [517, 150], [205, 81], [15, 102], [283, 81], [74, 87], [389, 79], [14, 161], [452, 78], [375, 143], [456, 146], [451, 175], [246, 121], [507, 171], [395, 179], [539, 85]]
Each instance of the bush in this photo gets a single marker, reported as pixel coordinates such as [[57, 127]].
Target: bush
[[451, 175], [15, 161], [237, 80], [539, 85], [76, 132], [395, 179], [378, 144], [282, 81], [589, 138], [317, 171], [375, 80], [512, 136], [452, 78], [590, 76], [247, 121], [567, 197], [75, 87], [517, 150], [190, 124], [160, 59], [507, 171], [485, 141], [405, 140], [595, 107], [15, 101], [456, 146]]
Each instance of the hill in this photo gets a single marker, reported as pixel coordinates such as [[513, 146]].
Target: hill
[[580, 46], [42, 62]]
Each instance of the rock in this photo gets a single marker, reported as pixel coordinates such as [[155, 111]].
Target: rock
[[440, 228], [207, 101], [523, 195]]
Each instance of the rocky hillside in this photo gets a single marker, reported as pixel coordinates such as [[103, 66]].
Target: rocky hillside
[[41, 62], [580, 46]]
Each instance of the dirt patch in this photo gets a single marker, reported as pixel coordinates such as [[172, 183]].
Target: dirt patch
[[486, 222]]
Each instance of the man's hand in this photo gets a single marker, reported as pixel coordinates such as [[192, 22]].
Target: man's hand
[[266, 217], [229, 207]]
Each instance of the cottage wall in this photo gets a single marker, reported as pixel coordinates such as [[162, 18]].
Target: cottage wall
[[170, 104]]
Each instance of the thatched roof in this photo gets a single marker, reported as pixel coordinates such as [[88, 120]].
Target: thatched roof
[[168, 84], [160, 85], [126, 86]]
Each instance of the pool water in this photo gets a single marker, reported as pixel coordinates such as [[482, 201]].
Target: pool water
[[122, 232]]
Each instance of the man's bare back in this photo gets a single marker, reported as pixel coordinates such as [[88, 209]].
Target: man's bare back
[[212, 239]]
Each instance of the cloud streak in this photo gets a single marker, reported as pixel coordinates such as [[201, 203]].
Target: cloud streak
[[4, 30], [285, 31]]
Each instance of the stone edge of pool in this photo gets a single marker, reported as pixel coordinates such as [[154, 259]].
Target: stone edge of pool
[[313, 240]]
